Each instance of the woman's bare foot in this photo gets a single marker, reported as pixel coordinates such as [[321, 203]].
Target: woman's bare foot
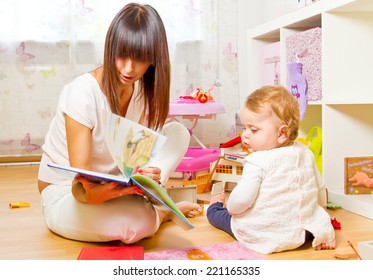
[[188, 208], [326, 246], [217, 198]]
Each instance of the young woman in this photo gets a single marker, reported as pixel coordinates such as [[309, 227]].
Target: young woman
[[133, 82], [278, 203]]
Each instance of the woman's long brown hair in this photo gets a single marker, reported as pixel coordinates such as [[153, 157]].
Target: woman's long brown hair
[[137, 32]]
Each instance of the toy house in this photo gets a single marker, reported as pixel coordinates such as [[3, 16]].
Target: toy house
[[227, 168]]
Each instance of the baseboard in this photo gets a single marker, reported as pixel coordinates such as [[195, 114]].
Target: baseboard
[[20, 159]]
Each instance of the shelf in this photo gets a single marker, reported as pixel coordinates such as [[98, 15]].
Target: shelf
[[314, 103], [360, 6], [345, 112], [308, 16], [347, 102], [359, 204], [339, 102]]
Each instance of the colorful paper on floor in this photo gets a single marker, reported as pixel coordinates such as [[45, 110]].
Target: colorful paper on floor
[[224, 251]]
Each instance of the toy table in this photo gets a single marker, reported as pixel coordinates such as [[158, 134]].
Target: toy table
[[194, 110], [196, 159]]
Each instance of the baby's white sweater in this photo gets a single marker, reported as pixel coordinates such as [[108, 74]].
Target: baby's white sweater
[[281, 187]]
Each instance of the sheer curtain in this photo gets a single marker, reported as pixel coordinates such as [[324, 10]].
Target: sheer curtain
[[45, 44]]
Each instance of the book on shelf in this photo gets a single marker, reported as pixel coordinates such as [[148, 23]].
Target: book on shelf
[[359, 175], [112, 253], [132, 146]]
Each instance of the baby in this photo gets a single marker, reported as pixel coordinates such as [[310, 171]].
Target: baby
[[278, 203]]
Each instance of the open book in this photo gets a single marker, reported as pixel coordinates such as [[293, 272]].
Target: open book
[[132, 146]]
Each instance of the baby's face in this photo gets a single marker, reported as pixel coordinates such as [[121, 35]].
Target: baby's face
[[261, 130]]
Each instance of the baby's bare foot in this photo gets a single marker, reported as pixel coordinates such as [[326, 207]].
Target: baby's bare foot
[[326, 246]]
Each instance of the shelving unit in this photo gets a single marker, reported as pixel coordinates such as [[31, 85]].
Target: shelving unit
[[345, 112]]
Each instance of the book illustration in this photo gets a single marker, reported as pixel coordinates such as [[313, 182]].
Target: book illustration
[[152, 190], [130, 144]]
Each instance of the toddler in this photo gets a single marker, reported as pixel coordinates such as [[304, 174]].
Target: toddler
[[278, 203]]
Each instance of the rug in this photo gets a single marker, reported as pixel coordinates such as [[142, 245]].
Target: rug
[[224, 251]]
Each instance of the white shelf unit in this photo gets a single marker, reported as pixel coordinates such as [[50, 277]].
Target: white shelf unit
[[345, 112]]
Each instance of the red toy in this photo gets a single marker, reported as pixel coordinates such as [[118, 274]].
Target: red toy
[[335, 223], [231, 143]]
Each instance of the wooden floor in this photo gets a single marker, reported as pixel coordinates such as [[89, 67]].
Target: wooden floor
[[24, 235]]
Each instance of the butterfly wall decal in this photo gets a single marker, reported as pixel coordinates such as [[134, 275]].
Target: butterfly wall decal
[[82, 8], [191, 9], [26, 143], [22, 55], [228, 53]]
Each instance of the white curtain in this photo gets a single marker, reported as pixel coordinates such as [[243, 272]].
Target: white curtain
[[45, 44]]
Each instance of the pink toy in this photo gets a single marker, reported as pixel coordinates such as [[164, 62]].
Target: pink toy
[[198, 103], [185, 106], [194, 107], [197, 159]]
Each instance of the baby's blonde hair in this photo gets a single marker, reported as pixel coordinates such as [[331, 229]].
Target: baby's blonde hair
[[278, 100]]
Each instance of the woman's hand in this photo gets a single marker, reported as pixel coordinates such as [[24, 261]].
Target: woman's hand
[[151, 172], [91, 192]]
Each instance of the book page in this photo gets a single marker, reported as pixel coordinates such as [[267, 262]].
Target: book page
[[130, 144], [97, 177]]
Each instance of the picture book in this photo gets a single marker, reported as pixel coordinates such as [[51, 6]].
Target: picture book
[[112, 253], [132, 146], [359, 175]]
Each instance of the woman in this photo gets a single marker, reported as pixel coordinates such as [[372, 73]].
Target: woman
[[133, 82]]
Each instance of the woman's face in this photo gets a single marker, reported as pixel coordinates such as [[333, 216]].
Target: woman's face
[[130, 70]]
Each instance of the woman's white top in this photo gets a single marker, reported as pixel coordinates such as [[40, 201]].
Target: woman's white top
[[83, 101]]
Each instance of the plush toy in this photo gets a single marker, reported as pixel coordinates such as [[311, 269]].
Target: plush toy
[[202, 96], [205, 96]]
